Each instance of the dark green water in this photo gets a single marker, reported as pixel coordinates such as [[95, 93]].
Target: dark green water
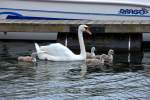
[[70, 80]]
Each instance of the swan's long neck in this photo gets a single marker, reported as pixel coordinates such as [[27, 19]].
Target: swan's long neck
[[81, 43]]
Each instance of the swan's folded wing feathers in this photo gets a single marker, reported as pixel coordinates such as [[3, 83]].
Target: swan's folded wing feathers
[[57, 49]]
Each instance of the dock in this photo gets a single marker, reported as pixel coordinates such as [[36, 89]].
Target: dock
[[126, 26]]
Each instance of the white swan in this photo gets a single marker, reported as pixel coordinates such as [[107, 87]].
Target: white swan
[[59, 52]]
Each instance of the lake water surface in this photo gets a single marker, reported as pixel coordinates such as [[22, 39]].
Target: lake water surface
[[47, 80]]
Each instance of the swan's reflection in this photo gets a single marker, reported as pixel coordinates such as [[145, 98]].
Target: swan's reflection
[[83, 70]]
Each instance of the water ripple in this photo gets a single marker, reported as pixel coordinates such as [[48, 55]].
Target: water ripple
[[67, 80]]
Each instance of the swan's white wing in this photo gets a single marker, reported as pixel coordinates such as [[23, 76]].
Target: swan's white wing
[[57, 49]]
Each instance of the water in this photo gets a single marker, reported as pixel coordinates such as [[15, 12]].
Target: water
[[69, 80]]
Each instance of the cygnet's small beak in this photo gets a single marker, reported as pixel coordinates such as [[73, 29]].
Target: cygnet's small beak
[[88, 31]]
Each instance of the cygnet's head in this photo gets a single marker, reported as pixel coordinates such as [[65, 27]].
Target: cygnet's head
[[93, 51]]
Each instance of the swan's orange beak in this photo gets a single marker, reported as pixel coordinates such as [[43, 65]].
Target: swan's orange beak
[[88, 31]]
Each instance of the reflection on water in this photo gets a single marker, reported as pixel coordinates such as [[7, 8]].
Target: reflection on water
[[69, 80]]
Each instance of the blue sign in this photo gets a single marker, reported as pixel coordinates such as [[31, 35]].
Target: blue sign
[[142, 11]]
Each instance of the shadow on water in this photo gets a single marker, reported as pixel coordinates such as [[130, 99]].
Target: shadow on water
[[128, 61], [71, 80]]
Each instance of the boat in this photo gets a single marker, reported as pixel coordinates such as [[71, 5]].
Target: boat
[[72, 10], [75, 9]]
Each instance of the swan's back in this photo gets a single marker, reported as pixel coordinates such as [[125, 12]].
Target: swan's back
[[57, 49]]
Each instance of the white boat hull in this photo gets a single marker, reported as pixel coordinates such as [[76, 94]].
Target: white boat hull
[[13, 9]]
